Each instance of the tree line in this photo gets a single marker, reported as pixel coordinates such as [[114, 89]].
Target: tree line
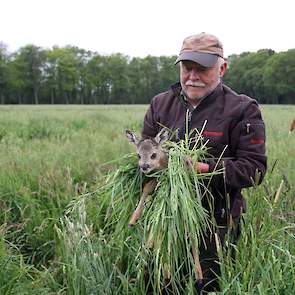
[[71, 75]]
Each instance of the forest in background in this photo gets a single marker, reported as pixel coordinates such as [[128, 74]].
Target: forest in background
[[72, 75]]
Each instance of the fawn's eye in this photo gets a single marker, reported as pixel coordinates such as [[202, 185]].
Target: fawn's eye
[[138, 155], [153, 156]]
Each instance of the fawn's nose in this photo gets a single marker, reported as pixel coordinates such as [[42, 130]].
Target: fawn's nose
[[144, 167]]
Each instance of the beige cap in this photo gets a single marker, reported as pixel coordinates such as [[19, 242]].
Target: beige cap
[[203, 49]]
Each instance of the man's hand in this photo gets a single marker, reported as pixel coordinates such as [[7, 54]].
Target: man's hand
[[198, 167], [201, 167]]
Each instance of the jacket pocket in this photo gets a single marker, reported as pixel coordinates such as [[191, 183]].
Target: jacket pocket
[[255, 132]]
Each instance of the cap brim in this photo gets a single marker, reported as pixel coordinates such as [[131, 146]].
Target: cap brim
[[204, 59]]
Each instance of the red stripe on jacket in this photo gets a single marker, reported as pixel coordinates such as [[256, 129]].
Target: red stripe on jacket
[[213, 133], [256, 141]]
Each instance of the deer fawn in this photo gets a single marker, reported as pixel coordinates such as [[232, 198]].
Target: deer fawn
[[153, 158]]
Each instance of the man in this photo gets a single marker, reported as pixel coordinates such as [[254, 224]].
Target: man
[[233, 127]]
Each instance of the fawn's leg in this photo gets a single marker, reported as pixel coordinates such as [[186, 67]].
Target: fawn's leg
[[147, 189], [198, 269]]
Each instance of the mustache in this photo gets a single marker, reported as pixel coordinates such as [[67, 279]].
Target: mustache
[[195, 83]]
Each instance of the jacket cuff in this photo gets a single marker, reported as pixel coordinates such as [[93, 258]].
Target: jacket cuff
[[213, 166], [218, 179]]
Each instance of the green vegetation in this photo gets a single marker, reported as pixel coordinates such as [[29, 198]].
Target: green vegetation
[[51, 238], [264, 74], [71, 75]]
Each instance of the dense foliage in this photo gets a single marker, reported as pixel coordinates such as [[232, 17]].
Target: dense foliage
[[71, 75], [264, 75]]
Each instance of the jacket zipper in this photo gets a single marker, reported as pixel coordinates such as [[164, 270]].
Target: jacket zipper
[[248, 125], [189, 119], [187, 122]]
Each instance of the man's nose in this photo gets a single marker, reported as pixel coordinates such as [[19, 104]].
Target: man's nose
[[194, 74]]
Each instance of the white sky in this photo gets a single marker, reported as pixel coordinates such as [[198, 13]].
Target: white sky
[[143, 27]]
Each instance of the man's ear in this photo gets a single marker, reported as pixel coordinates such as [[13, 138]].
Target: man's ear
[[222, 69], [162, 136], [131, 136]]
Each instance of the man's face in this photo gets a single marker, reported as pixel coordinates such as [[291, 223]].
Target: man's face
[[198, 81]]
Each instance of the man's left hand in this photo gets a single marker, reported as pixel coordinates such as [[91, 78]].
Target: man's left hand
[[198, 167]]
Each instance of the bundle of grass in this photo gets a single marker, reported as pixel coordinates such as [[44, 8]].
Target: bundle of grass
[[116, 199], [118, 195], [166, 238], [175, 221]]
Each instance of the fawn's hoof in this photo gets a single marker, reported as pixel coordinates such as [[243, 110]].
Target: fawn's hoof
[[200, 284]]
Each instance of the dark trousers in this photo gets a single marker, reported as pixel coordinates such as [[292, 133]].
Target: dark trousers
[[209, 256]]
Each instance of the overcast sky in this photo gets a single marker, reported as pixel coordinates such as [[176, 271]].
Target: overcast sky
[[143, 27]]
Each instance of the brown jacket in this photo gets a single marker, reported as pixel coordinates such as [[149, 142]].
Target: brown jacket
[[234, 125]]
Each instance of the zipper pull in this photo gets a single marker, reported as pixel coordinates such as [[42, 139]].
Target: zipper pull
[[248, 127], [189, 116]]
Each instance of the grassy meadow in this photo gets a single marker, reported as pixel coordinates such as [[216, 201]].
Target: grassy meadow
[[52, 161]]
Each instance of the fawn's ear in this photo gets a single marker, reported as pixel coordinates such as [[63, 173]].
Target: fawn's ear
[[162, 136], [131, 136]]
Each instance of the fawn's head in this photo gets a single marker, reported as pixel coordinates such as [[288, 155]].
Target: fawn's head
[[151, 157]]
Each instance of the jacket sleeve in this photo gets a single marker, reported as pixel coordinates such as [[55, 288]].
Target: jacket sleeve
[[248, 145]]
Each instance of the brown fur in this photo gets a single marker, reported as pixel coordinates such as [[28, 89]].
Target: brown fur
[[151, 158]]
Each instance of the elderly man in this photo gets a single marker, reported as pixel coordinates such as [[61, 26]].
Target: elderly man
[[234, 129]]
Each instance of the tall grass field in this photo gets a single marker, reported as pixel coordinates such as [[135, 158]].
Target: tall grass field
[[53, 161]]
